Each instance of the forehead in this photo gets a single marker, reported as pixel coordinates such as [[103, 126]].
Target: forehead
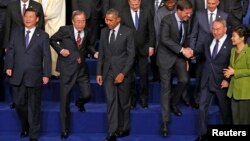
[[79, 17]]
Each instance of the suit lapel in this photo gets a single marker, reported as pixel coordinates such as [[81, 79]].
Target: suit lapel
[[205, 18], [72, 36], [175, 26], [19, 13]]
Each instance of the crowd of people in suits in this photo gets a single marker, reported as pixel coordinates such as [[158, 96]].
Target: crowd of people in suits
[[122, 35]]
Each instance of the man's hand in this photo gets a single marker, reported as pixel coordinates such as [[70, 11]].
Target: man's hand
[[65, 53], [45, 80], [96, 55], [99, 80], [187, 52], [150, 51], [9, 72], [119, 78], [224, 84]]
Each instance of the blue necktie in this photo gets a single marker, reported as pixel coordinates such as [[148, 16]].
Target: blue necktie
[[27, 38], [211, 21], [136, 20], [215, 50]]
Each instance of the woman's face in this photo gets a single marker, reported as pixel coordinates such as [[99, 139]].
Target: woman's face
[[236, 39]]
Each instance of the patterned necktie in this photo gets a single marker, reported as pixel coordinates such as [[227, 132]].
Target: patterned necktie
[[112, 37], [215, 50], [136, 20], [24, 8], [211, 21], [78, 39], [27, 38]]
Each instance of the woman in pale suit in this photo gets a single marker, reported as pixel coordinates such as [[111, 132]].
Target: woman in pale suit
[[239, 72], [55, 17]]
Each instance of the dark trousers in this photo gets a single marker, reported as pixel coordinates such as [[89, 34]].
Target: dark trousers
[[118, 103], [79, 77], [141, 64], [28, 108], [205, 102], [240, 112], [165, 76]]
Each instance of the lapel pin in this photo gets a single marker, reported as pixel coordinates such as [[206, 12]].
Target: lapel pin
[[225, 47], [37, 35]]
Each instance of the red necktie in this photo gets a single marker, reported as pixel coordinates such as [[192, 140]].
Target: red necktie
[[78, 39]]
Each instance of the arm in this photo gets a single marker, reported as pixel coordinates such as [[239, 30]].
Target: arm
[[130, 52], [46, 57], [166, 39]]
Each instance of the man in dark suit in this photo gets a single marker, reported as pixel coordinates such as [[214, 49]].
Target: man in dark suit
[[213, 83], [92, 9], [153, 6], [116, 4], [14, 19], [3, 7], [201, 31], [72, 45], [171, 56], [140, 20], [114, 71], [236, 10], [28, 64]]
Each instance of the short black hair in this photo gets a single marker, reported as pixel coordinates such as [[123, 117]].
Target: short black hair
[[32, 10]]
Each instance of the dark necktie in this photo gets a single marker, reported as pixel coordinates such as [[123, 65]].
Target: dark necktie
[[24, 8], [180, 31], [215, 50], [112, 37], [136, 20], [78, 39], [211, 21], [27, 38]]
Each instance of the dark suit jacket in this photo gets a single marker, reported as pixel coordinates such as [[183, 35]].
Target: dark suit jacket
[[116, 4], [201, 30], [66, 38], [14, 18], [235, 8], [144, 37], [169, 47], [120, 56], [30, 64], [212, 73], [92, 8], [150, 4]]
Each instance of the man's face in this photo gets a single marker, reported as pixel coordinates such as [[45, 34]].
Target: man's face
[[218, 30], [170, 4], [30, 19], [184, 14], [79, 22], [212, 4], [112, 20], [134, 4]]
